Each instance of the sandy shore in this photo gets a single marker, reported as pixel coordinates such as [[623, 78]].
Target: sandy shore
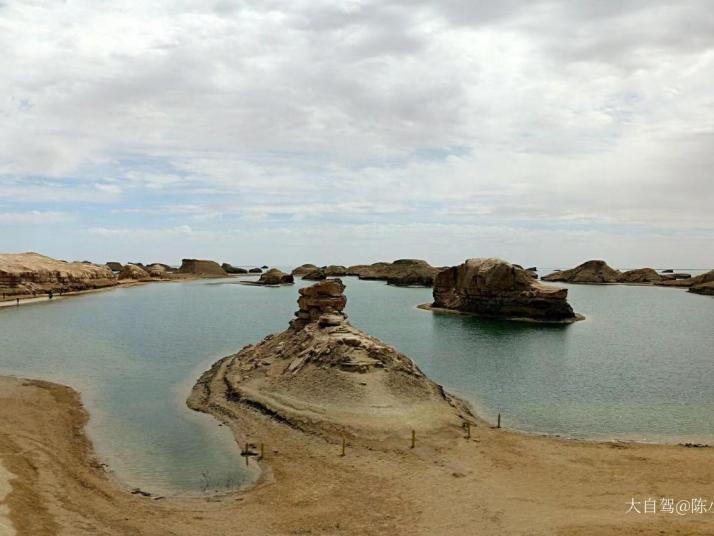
[[497, 482]]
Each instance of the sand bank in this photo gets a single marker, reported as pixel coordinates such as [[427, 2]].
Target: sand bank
[[497, 482]]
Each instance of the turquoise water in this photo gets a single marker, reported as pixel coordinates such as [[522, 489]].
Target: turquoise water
[[640, 367]]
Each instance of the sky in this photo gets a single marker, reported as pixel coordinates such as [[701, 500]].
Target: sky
[[282, 132]]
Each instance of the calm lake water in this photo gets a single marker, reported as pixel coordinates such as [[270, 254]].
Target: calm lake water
[[640, 367]]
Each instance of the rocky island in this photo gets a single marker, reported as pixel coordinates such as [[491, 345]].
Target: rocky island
[[202, 268], [402, 272], [323, 375], [495, 288], [272, 278]]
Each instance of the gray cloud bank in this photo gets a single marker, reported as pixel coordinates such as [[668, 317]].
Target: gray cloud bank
[[540, 129]]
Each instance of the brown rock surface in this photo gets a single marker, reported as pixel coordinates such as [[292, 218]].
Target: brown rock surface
[[589, 272], [701, 279], [27, 273], [640, 275], [275, 277], [402, 272], [132, 271], [230, 269], [335, 270], [201, 268], [115, 266], [323, 375], [496, 288], [304, 269], [315, 275], [704, 288]]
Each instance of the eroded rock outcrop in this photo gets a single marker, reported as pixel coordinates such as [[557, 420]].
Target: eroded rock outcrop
[[230, 269], [202, 268], [706, 289], [274, 277], [255, 271], [495, 288], [28, 273], [686, 282], [402, 272], [315, 275], [115, 266], [304, 269], [335, 270], [132, 271], [325, 376], [640, 275], [595, 271]]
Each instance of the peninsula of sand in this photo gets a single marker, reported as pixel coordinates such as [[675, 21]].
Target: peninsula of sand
[[356, 440]]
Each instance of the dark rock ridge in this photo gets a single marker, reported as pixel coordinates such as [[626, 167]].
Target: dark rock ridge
[[402, 272], [255, 271], [230, 269], [335, 270], [203, 268], [324, 376], [29, 273], [496, 288], [115, 266]]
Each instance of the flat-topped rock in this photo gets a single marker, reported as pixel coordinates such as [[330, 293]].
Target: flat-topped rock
[[115, 266], [335, 270], [275, 277], [324, 376], [497, 289], [402, 272], [706, 289], [202, 268], [230, 269], [695, 281], [640, 275], [304, 269], [28, 273], [315, 275]]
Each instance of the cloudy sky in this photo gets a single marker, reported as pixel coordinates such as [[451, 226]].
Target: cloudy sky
[[282, 132]]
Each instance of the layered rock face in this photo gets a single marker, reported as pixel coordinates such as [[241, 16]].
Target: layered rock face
[[335, 270], [230, 269], [589, 272], [275, 277], [201, 268], [322, 375], [496, 288], [132, 271], [27, 273], [114, 266], [402, 272], [255, 271], [158, 270]]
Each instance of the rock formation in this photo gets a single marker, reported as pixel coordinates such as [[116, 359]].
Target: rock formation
[[28, 273], [201, 268], [324, 376], [315, 275], [274, 277], [335, 270], [255, 271], [230, 269], [641, 275], [157, 270], [588, 272], [402, 272], [114, 266], [703, 288], [496, 288], [696, 281], [303, 269], [132, 271]]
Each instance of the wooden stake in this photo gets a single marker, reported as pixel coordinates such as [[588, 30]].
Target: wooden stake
[[343, 446], [499, 421], [262, 451], [413, 439]]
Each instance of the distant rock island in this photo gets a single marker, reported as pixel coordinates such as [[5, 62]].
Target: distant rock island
[[272, 277], [230, 269], [598, 271], [203, 268], [495, 288], [32, 273], [324, 375], [402, 272]]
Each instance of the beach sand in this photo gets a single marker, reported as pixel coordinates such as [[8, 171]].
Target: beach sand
[[498, 482]]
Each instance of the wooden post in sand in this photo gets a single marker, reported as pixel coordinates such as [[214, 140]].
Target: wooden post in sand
[[344, 442], [18, 301], [499, 421], [413, 439], [468, 430], [246, 453], [262, 451]]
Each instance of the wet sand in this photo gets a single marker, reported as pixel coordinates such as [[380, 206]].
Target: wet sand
[[497, 482]]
